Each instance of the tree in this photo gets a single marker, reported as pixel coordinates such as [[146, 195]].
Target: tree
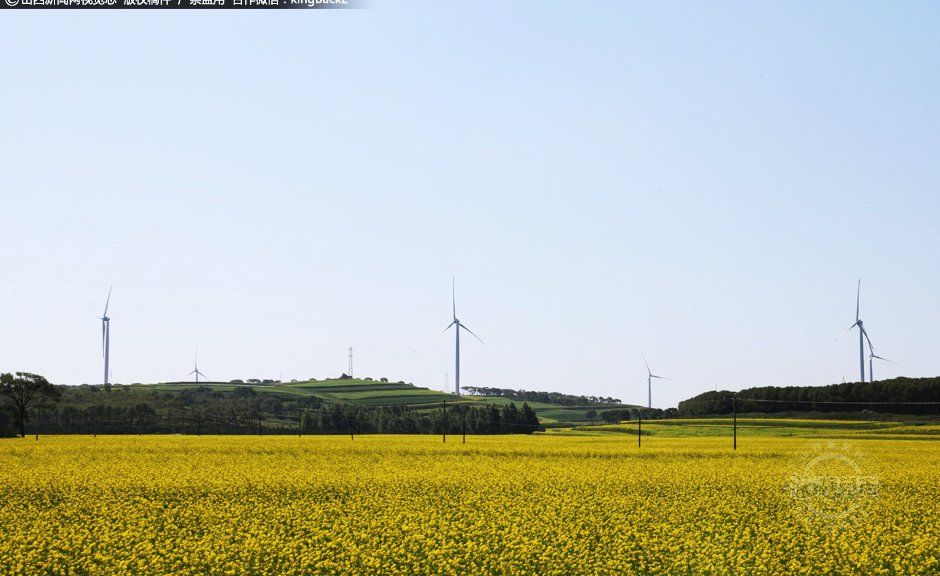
[[510, 419], [590, 415], [530, 421], [492, 423], [272, 405], [308, 423], [611, 416], [24, 392]]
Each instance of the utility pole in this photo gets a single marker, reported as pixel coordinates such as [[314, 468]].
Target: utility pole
[[444, 423], [639, 429]]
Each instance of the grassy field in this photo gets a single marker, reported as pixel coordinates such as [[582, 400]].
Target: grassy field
[[512, 505]]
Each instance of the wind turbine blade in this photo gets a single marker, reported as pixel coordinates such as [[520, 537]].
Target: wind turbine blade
[[105, 315], [468, 330], [846, 330], [453, 294], [645, 362], [858, 296], [661, 377], [885, 359], [441, 332]]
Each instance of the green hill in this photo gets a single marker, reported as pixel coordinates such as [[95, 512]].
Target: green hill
[[371, 393]]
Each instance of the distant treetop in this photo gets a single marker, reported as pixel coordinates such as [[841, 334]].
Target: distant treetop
[[544, 397]]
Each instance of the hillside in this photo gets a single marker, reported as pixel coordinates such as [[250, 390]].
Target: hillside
[[373, 393]]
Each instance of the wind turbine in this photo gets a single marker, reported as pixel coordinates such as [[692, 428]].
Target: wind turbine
[[649, 380], [871, 357], [862, 335], [196, 367], [456, 323], [106, 334]]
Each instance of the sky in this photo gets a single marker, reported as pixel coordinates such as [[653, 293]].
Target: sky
[[704, 183]]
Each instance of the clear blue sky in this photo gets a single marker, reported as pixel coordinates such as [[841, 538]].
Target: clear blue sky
[[706, 182]]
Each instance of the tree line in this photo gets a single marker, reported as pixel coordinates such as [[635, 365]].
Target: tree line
[[544, 397], [896, 396], [398, 419], [628, 414], [28, 399]]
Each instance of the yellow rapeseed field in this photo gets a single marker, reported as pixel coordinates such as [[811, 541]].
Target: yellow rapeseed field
[[131, 505]]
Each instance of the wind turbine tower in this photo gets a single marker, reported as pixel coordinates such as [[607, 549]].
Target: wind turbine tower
[[649, 381], [459, 326], [862, 335], [106, 334]]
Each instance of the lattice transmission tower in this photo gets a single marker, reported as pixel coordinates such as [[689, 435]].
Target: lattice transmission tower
[[350, 373]]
